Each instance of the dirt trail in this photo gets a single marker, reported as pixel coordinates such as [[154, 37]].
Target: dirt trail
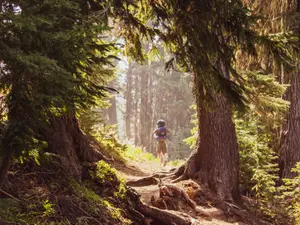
[[138, 170]]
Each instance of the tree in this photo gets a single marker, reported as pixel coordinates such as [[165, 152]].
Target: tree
[[53, 66], [129, 105], [204, 43], [166, 96], [289, 143], [204, 37]]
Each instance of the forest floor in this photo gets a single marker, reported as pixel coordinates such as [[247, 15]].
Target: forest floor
[[43, 194], [139, 176]]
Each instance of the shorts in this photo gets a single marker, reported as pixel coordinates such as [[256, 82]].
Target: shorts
[[161, 147]]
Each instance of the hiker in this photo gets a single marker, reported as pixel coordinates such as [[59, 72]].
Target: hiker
[[161, 134]]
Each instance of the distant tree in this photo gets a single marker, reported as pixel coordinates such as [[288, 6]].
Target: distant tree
[[161, 95]]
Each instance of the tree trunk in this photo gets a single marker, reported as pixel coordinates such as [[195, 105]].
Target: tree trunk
[[66, 139], [136, 110], [112, 111], [215, 161], [128, 103], [290, 141], [144, 136], [6, 162]]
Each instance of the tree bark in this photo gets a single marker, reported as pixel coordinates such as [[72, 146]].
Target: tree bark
[[215, 161], [112, 111], [290, 141], [143, 133], [6, 162], [136, 110], [128, 103], [66, 139]]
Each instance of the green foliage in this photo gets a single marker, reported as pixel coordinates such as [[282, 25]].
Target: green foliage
[[104, 172], [48, 206], [291, 194], [92, 124], [107, 138], [258, 140], [53, 62], [255, 131], [192, 140], [137, 154], [257, 160]]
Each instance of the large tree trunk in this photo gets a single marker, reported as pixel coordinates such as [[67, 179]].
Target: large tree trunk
[[290, 141], [66, 139], [215, 161]]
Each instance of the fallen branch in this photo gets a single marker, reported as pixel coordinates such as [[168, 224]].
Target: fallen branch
[[9, 195]]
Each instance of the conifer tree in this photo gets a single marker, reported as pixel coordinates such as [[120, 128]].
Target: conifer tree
[[53, 64]]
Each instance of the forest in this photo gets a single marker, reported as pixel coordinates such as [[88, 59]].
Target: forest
[[149, 112]]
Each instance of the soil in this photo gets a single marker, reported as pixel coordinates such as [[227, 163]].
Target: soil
[[137, 170]]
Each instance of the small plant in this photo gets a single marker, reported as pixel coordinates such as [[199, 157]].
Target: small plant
[[105, 172], [48, 206]]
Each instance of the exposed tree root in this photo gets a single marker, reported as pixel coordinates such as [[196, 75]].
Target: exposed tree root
[[145, 181], [168, 217], [181, 178], [186, 170], [174, 191]]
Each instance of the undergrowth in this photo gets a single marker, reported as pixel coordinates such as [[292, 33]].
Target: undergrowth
[[44, 194]]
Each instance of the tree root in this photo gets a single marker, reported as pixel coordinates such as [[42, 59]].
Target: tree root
[[168, 217], [172, 190], [145, 181], [178, 179]]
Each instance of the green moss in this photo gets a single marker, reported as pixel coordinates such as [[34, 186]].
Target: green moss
[[84, 192], [105, 172]]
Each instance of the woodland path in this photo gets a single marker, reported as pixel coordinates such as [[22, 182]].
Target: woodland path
[[139, 170]]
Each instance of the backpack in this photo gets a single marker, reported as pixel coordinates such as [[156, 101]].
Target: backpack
[[162, 133]]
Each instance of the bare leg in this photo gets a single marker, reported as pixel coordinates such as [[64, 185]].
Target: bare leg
[[161, 157]]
